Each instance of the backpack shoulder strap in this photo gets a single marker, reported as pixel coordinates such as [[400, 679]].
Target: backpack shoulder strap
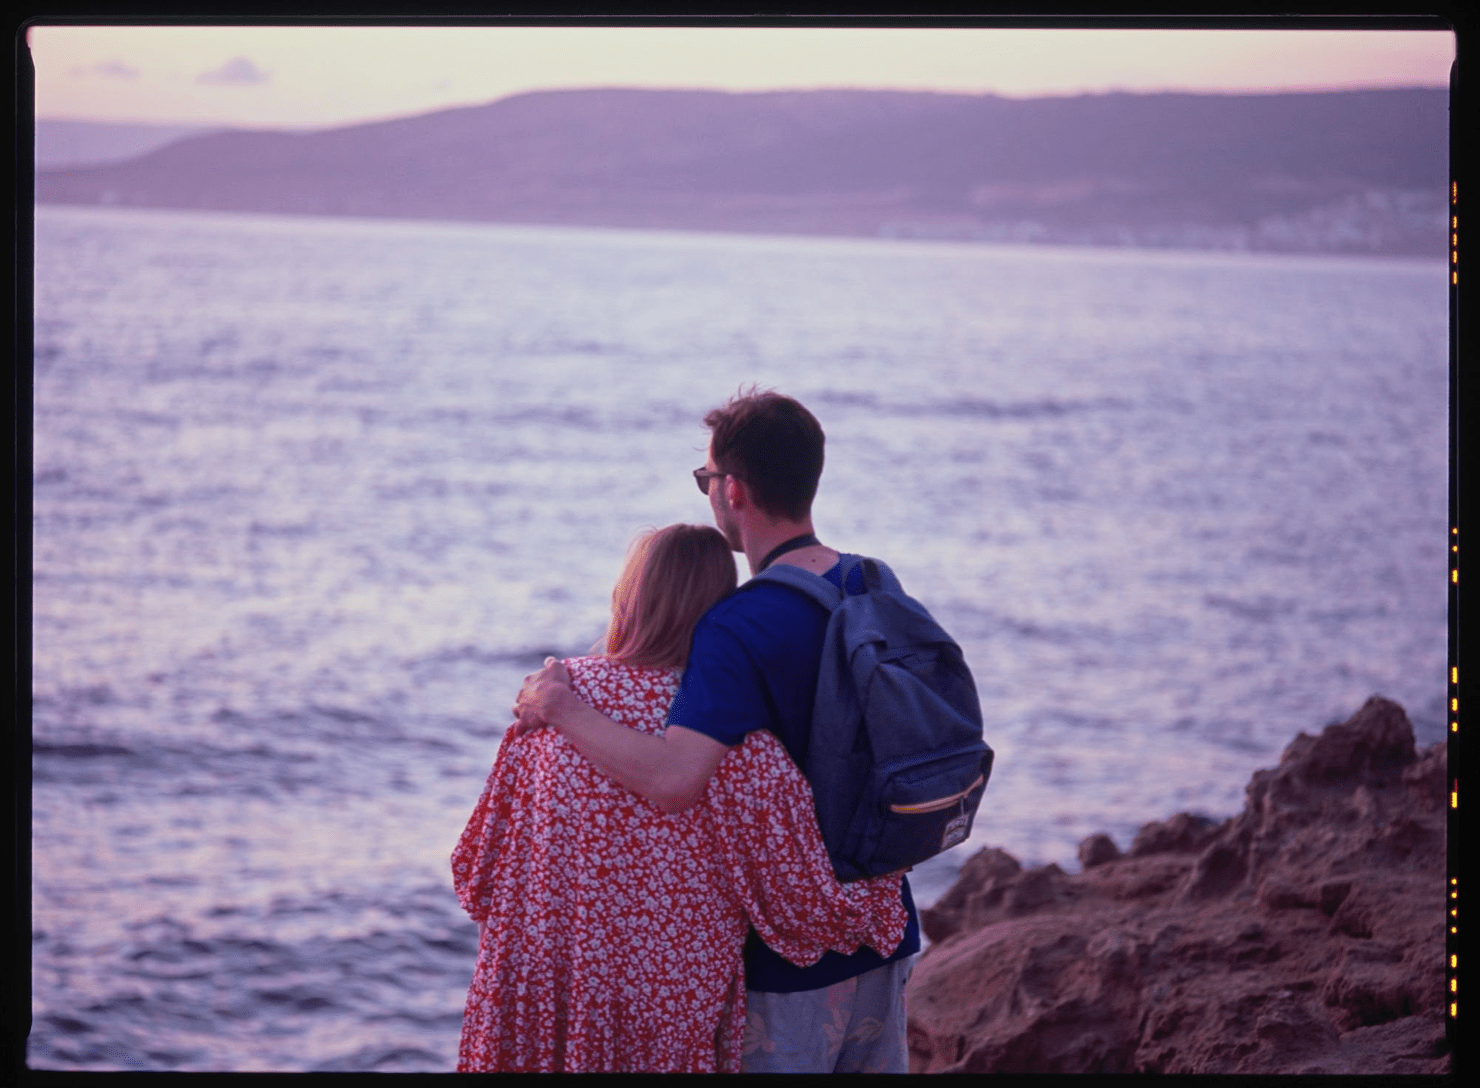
[[813, 585], [877, 575]]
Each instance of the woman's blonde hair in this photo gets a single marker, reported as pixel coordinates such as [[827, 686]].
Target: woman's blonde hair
[[671, 578]]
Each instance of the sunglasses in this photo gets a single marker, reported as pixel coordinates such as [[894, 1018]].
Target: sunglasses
[[702, 476]]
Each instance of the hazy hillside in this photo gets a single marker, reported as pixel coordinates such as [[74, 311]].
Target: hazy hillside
[[1361, 171], [91, 143]]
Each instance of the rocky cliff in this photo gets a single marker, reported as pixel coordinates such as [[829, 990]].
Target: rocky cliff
[[1305, 935]]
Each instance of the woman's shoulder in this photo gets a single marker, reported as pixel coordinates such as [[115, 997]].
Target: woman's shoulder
[[604, 661], [600, 668], [630, 695]]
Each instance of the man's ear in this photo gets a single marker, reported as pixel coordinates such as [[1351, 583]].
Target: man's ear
[[737, 494]]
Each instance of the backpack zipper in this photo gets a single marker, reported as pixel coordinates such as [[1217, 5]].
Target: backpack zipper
[[939, 803]]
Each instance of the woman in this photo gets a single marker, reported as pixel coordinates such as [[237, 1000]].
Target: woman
[[611, 934]]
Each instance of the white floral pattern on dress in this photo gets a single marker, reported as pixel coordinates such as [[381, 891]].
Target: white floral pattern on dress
[[612, 933]]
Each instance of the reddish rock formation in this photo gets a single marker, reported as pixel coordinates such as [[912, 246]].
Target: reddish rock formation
[[1305, 935]]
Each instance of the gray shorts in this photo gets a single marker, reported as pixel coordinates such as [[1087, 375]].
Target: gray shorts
[[853, 1026]]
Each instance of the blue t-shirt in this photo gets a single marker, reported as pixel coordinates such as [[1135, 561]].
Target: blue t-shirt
[[753, 664]]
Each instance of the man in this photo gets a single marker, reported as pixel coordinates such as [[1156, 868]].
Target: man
[[754, 664]]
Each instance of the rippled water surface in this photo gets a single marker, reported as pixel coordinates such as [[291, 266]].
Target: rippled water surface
[[312, 495]]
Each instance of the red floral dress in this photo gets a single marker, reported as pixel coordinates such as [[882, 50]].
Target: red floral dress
[[612, 934]]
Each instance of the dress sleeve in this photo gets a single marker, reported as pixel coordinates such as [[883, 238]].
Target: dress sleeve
[[476, 855], [495, 818], [529, 776], [759, 813]]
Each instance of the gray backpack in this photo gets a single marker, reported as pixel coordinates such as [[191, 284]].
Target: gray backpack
[[896, 758]]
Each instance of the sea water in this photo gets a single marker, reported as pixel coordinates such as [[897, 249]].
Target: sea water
[[312, 495]]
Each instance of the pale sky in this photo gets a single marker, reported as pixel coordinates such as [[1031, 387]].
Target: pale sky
[[303, 77]]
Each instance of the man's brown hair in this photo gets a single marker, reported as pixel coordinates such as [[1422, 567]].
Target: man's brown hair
[[772, 443], [670, 579]]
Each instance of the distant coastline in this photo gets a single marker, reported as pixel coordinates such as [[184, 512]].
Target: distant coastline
[[1358, 172]]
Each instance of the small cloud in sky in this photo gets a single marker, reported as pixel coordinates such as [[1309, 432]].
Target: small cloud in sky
[[236, 70], [109, 69]]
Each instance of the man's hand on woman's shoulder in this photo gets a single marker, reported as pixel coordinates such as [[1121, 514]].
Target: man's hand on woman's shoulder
[[540, 697]]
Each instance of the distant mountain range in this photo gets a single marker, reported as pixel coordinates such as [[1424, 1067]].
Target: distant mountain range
[[1359, 171]]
